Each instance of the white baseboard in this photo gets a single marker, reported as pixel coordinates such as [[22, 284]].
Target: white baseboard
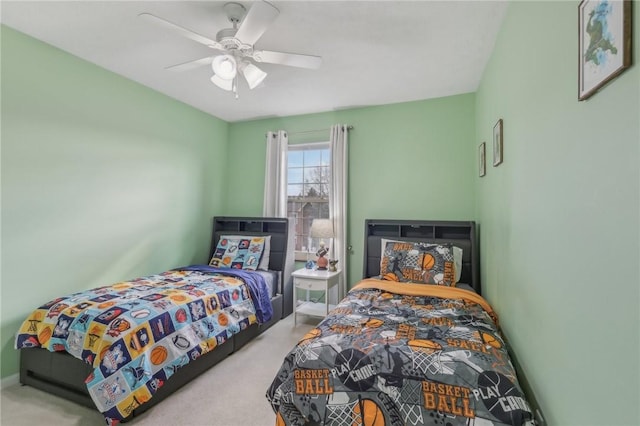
[[10, 381]]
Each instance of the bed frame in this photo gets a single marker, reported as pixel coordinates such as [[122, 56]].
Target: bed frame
[[63, 375], [458, 233]]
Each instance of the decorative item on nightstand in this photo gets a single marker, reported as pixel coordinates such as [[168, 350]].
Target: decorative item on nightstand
[[332, 265], [321, 228]]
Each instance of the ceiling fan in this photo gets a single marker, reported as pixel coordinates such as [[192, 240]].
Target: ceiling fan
[[236, 47]]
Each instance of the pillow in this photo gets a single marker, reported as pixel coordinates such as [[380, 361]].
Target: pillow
[[238, 252], [264, 260], [418, 263], [457, 255]]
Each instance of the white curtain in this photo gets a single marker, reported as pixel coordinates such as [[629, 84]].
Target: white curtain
[[338, 200], [275, 176]]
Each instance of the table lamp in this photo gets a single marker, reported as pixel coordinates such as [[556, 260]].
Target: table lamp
[[321, 228]]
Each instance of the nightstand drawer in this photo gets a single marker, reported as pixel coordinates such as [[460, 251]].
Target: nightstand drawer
[[307, 284]]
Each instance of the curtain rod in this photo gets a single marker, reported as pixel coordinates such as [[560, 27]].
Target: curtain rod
[[315, 131]]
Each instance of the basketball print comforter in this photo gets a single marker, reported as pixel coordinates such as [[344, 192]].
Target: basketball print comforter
[[136, 334], [401, 354]]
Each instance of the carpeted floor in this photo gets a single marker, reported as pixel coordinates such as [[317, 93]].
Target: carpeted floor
[[229, 394]]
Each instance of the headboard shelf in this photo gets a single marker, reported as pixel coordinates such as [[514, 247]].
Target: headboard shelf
[[459, 233], [248, 225]]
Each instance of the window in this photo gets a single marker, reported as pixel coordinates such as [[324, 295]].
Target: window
[[308, 186]]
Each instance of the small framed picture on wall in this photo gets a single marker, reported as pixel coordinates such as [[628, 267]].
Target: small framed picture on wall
[[482, 155], [497, 143], [604, 43]]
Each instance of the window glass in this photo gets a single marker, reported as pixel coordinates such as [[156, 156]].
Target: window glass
[[295, 158], [294, 175], [308, 192]]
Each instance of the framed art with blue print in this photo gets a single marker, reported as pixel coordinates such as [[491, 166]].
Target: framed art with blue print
[[604, 40]]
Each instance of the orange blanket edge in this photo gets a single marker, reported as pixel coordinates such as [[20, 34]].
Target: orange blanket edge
[[413, 289]]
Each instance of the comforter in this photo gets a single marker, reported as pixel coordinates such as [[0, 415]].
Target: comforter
[[137, 334], [401, 354]]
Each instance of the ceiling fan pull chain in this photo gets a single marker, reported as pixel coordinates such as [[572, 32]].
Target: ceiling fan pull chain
[[235, 86]]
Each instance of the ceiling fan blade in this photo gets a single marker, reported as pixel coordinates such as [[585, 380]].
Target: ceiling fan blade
[[256, 22], [290, 59], [187, 66], [182, 31], [221, 83], [253, 75]]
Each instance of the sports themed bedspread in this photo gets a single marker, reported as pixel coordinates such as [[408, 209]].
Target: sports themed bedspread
[[401, 354], [136, 334]]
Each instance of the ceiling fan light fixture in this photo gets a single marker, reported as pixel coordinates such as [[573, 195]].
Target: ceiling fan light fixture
[[253, 75], [224, 66], [221, 83]]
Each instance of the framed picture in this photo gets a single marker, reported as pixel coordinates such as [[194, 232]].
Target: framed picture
[[482, 154], [604, 40], [497, 143]]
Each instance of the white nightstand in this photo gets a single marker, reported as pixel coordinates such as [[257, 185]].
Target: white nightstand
[[311, 279]]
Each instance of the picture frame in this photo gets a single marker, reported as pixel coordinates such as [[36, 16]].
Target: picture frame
[[497, 143], [604, 40], [482, 154]]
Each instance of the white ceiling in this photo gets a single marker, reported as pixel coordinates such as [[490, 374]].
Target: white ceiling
[[374, 52]]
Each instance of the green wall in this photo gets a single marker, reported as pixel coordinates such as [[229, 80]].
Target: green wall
[[102, 180], [406, 161], [560, 217]]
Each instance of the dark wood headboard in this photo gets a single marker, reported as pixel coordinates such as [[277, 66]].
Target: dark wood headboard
[[458, 233], [280, 258]]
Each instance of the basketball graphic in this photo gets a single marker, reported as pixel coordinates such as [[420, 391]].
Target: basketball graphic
[[158, 355], [44, 335], [502, 398], [178, 297], [223, 320], [367, 413], [421, 345], [355, 370], [106, 305], [181, 315], [428, 261], [490, 340], [373, 323]]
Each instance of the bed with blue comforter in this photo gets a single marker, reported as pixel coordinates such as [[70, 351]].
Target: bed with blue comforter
[[136, 334]]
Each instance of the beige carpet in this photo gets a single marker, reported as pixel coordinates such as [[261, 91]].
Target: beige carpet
[[229, 394]]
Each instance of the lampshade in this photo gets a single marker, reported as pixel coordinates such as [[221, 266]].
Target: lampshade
[[253, 75], [321, 228], [223, 84], [224, 66]]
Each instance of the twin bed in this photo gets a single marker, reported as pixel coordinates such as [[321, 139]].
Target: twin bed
[[126, 347], [413, 343]]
